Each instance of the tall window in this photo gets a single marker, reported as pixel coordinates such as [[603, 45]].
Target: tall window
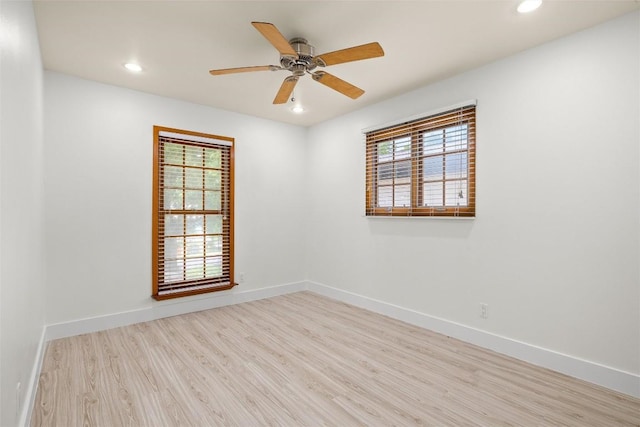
[[192, 213], [424, 167]]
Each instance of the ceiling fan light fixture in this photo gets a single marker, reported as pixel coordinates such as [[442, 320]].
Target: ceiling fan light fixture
[[297, 109], [133, 67], [527, 6]]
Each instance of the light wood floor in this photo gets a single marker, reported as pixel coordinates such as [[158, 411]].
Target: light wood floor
[[303, 359]]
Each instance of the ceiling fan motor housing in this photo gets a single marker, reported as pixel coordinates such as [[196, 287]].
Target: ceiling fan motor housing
[[298, 66]]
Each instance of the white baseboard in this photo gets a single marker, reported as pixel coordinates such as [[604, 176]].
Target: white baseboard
[[30, 395], [159, 310], [624, 382]]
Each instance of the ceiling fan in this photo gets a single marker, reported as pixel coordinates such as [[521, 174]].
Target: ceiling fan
[[297, 56]]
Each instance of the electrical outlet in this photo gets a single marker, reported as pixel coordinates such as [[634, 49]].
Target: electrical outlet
[[240, 277], [484, 310]]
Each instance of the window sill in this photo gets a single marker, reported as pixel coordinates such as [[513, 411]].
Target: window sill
[[431, 217], [186, 293]]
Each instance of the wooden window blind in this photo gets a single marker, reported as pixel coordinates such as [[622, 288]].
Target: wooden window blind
[[423, 167], [192, 213]]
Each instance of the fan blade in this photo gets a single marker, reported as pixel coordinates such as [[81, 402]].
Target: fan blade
[[244, 69], [285, 90], [356, 53], [337, 84], [275, 37]]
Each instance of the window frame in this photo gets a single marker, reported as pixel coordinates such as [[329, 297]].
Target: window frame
[[414, 129], [187, 287]]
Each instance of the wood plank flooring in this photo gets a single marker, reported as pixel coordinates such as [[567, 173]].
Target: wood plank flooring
[[304, 360]]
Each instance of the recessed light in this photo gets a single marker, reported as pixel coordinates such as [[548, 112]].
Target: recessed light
[[133, 67], [527, 6], [298, 109]]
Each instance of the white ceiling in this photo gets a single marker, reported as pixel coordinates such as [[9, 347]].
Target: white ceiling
[[177, 42]]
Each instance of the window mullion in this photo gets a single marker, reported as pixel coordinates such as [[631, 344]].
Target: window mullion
[[393, 174], [444, 172], [374, 178], [223, 208], [204, 217], [184, 217], [416, 170]]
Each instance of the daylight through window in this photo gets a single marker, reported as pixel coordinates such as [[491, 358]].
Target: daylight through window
[[423, 167], [193, 213]]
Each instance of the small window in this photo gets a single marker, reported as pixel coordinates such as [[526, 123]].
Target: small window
[[192, 213], [424, 167]]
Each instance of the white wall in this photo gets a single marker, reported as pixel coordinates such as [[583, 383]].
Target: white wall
[[21, 200], [98, 172], [554, 248]]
